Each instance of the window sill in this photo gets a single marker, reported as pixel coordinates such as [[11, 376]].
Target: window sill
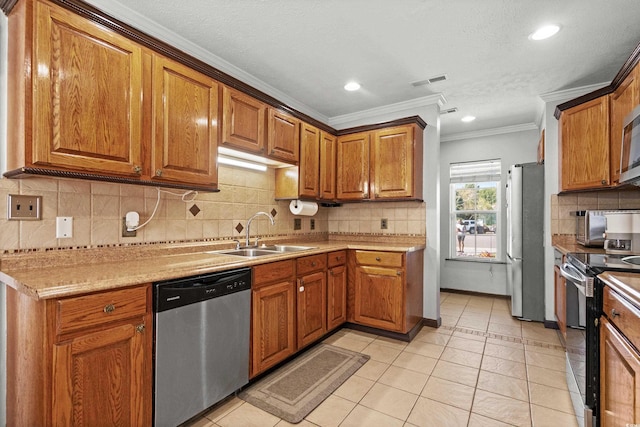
[[480, 260]]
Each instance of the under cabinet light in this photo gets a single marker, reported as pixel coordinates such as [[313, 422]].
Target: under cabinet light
[[241, 163]]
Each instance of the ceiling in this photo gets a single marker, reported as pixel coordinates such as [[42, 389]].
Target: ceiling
[[306, 50]]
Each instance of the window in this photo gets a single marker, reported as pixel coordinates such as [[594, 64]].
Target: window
[[474, 210]]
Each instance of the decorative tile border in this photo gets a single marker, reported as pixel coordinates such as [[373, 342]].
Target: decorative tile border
[[525, 341]]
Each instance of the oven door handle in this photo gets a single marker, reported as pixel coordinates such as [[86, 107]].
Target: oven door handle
[[578, 278]]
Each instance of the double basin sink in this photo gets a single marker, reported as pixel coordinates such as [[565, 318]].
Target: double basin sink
[[264, 250]]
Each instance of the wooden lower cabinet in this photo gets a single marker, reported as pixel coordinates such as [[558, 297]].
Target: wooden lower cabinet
[[273, 316], [385, 289], [336, 289], [81, 361], [560, 303], [311, 299], [619, 378]]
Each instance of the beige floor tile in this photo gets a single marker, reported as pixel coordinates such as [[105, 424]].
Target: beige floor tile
[[504, 329], [432, 337], [223, 408], [475, 316], [451, 309], [350, 343], [456, 373], [485, 303], [415, 362], [551, 397], [354, 388], [390, 401], [504, 352], [504, 367], [303, 423], [404, 379], [458, 395], [248, 416], [381, 353], [390, 342], [473, 322], [502, 408], [507, 342], [546, 377], [537, 332], [466, 344], [372, 370], [477, 336], [364, 336], [362, 416], [545, 361], [504, 318], [503, 385], [476, 420], [331, 412], [477, 309], [552, 351], [429, 413], [458, 298], [545, 417], [449, 320], [461, 357], [200, 422], [425, 349]]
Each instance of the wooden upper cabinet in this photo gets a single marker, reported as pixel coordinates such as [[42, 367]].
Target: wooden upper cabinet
[[283, 142], [396, 156], [185, 144], [622, 102], [352, 177], [87, 95], [309, 172], [584, 146], [243, 121], [328, 150]]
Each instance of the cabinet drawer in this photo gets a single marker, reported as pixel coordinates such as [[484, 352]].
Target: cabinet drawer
[[82, 312], [623, 314], [311, 263], [388, 259], [336, 258], [274, 271]]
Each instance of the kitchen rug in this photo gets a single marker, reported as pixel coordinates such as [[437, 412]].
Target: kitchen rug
[[292, 391]]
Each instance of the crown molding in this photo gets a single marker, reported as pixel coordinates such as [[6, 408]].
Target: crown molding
[[489, 132], [438, 99], [563, 95]]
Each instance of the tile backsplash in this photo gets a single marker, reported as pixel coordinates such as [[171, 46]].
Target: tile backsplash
[[563, 204], [97, 209]]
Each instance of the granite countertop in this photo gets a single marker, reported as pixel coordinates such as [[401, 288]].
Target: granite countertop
[[627, 284], [57, 274], [567, 243]]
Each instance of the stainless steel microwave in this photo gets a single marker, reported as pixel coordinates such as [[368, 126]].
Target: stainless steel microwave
[[630, 154], [590, 227]]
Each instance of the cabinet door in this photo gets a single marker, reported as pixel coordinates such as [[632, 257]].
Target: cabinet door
[[619, 379], [309, 172], [283, 141], [336, 296], [352, 179], [328, 146], [101, 378], [243, 120], [392, 158], [273, 325], [623, 101], [379, 297], [185, 145], [560, 307], [584, 142], [312, 308], [87, 94]]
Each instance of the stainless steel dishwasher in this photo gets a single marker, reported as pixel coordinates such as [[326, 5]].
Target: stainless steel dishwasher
[[201, 342]]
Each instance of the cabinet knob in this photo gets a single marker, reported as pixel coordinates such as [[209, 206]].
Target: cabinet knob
[[378, 259], [398, 273], [140, 328], [313, 263], [110, 308], [614, 313], [604, 182], [301, 289], [137, 169], [158, 172]]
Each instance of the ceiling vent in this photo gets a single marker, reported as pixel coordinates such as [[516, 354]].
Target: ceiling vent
[[430, 80], [449, 110]]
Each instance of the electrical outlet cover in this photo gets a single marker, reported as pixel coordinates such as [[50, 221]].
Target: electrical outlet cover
[[64, 227]]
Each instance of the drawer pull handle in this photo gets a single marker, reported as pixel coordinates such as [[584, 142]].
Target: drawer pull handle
[[614, 312], [140, 328], [378, 259], [110, 308], [313, 264]]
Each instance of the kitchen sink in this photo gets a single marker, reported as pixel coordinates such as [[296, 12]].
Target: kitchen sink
[[263, 250], [286, 248]]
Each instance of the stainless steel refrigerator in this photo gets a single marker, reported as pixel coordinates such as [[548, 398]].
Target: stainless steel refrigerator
[[525, 239]]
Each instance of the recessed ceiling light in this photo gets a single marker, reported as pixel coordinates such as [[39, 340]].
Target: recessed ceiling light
[[544, 32], [351, 86], [468, 119]]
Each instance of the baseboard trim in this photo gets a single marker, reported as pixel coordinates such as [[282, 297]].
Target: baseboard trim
[[387, 334], [433, 323], [474, 293], [551, 324]]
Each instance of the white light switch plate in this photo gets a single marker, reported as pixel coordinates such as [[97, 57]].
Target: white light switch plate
[[64, 227]]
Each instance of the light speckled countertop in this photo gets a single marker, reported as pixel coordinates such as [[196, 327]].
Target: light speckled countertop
[[65, 273], [627, 284], [567, 243]]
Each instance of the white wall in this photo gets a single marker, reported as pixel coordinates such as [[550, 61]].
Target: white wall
[[510, 148], [3, 150]]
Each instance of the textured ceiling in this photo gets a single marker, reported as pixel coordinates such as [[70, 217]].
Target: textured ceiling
[[308, 49]]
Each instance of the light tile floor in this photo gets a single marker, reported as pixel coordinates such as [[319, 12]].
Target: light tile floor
[[480, 368]]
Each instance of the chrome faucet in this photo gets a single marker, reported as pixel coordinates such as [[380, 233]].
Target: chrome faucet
[[273, 221]]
